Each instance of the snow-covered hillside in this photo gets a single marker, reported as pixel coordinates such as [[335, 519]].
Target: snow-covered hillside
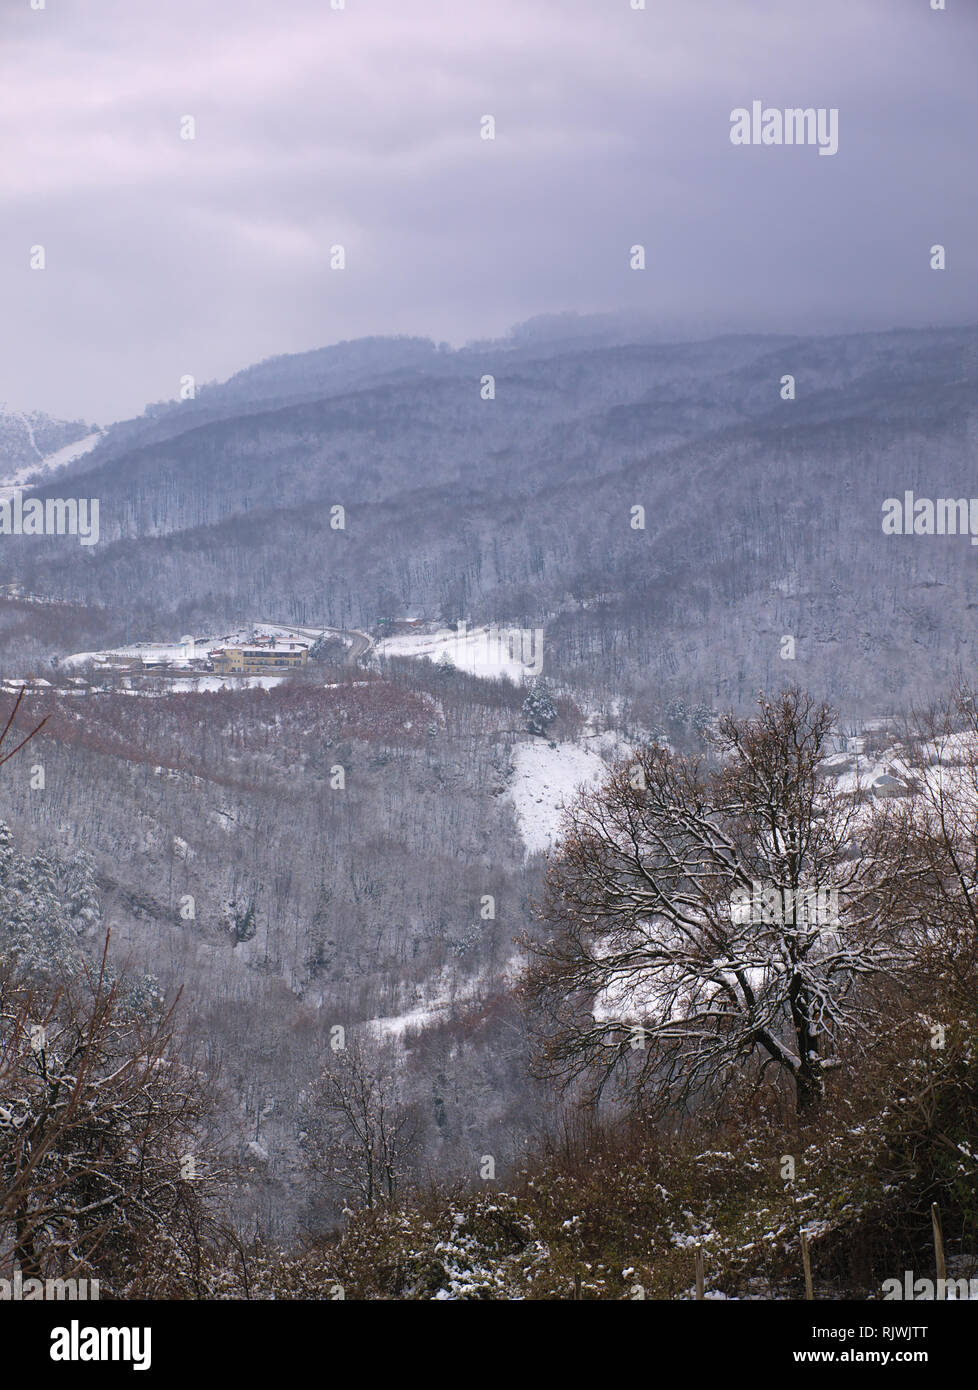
[[546, 778], [23, 454]]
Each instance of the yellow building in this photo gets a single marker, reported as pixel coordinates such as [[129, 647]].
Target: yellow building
[[256, 661]]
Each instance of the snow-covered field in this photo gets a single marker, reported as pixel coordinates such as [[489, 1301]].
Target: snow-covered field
[[544, 779], [495, 652], [175, 654], [192, 684]]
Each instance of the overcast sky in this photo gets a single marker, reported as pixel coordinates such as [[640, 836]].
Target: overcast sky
[[360, 126]]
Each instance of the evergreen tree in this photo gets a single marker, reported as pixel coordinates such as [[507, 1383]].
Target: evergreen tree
[[539, 710], [48, 904]]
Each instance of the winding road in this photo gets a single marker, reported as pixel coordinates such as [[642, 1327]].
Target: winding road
[[360, 642]]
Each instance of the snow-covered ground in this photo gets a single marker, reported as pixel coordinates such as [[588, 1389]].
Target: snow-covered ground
[[437, 999], [495, 652], [544, 779], [50, 463], [175, 654], [192, 684]]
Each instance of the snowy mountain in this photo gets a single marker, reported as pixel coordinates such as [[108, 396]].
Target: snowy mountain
[[33, 444]]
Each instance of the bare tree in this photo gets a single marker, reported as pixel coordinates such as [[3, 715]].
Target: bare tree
[[7, 754], [930, 839], [102, 1168], [711, 917], [361, 1134]]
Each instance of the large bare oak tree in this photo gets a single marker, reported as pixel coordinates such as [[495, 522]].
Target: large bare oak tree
[[712, 916]]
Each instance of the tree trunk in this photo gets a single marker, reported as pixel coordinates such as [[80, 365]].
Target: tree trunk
[[24, 1248], [808, 1086], [808, 1077]]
